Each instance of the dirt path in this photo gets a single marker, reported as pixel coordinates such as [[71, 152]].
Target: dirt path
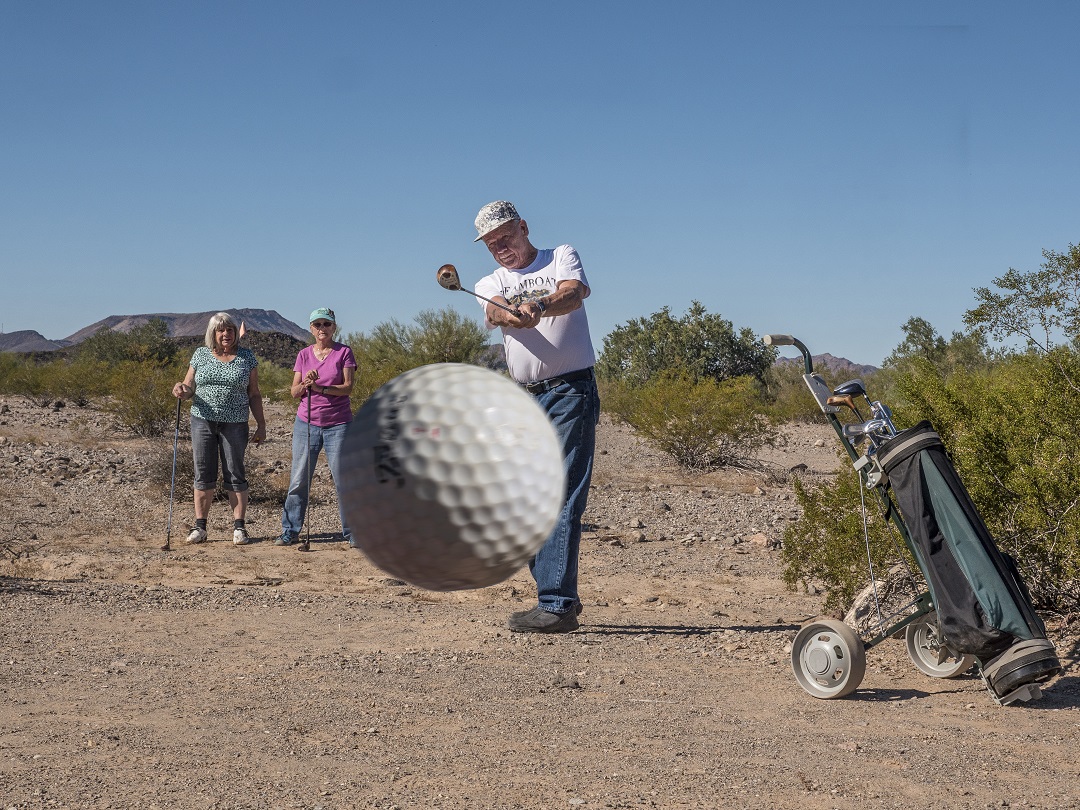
[[259, 677]]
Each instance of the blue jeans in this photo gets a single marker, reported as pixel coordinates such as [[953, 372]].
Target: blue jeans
[[304, 459], [574, 410]]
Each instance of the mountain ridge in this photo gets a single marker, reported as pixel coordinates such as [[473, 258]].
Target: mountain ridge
[[187, 324], [840, 365]]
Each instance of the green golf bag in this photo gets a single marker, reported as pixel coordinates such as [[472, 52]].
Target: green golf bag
[[983, 607]]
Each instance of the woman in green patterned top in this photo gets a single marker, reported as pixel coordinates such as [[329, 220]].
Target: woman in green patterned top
[[222, 383]]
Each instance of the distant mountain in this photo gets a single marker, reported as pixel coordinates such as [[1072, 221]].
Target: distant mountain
[[28, 341], [193, 324], [840, 365]]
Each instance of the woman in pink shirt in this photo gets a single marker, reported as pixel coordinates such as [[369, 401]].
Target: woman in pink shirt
[[322, 381]]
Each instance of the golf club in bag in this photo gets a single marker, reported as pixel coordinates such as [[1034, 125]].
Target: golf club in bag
[[975, 608]]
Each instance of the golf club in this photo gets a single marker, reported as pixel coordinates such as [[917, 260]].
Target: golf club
[[306, 545], [172, 485], [448, 278], [845, 395], [876, 429]]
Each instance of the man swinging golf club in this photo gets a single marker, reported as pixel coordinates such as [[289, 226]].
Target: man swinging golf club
[[537, 299]]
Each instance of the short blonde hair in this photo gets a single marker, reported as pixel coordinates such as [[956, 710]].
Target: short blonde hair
[[216, 322]]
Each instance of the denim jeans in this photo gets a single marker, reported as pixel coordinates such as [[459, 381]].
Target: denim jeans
[[574, 410], [304, 459], [212, 442]]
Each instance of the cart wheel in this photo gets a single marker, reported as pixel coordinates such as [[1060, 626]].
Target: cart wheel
[[924, 649], [828, 659]]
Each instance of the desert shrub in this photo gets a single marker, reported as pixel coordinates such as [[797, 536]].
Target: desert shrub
[[1008, 423], [703, 424], [142, 397], [1008, 427], [786, 397], [827, 545], [1010, 431], [28, 379], [147, 343], [275, 382], [9, 366], [78, 380], [700, 345], [392, 348]]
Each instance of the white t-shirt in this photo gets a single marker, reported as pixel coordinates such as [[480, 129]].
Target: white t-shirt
[[558, 345]]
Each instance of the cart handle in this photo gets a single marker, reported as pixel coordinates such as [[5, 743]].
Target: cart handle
[[789, 340]]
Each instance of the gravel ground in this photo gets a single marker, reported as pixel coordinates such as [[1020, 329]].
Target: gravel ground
[[217, 676]]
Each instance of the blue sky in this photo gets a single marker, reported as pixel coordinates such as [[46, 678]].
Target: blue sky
[[826, 169]]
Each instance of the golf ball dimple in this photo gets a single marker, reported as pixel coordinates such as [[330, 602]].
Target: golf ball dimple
[[452, 477]]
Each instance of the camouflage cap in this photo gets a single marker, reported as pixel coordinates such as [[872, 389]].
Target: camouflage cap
[[493, 215]]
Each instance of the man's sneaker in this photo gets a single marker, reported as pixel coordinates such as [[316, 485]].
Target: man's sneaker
[[539, 620], [286, 539], [239, 537], [196, 535], [522, 613]]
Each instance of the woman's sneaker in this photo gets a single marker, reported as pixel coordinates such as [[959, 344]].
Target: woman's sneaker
[[196, 535], [286, 539], [239, 537]]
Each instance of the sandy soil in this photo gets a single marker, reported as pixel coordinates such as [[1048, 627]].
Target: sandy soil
[[217, 676]]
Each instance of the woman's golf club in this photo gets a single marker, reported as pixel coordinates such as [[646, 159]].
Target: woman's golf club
[[172, 486], [306, 545], [448, 278]]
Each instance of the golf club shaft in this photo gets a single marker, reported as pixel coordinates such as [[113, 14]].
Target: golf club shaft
[[172, 485], [307, 473], [496, 303]]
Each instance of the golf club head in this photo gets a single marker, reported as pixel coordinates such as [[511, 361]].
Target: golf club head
[[448, 277], [845, 399], [882, 411], [854, 433], [852, 388]]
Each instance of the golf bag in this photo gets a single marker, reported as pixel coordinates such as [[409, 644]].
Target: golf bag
[[983, 607]]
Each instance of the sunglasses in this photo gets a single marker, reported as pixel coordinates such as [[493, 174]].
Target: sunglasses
[[322, 324]]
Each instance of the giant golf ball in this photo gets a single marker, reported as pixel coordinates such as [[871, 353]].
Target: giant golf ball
[[452, 477]]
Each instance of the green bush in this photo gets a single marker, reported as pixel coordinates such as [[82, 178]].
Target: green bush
[[9, 367], [78, 380], [393, 348], [786, 397], [25, 378], [142, 397], [1010, 430], [702, 424], [275, 382], [701, 345], [827, 544], [148, 343]]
